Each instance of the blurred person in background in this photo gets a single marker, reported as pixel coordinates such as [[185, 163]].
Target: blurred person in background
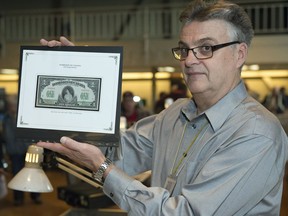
[[3, 183], [178, 90], [275, 101], [160, 103], [131, 110], [284, 97]]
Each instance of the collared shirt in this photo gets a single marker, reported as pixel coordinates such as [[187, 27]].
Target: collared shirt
[[235, 167]]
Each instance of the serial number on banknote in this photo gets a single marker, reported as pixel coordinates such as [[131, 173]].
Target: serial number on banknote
[[79, 93]]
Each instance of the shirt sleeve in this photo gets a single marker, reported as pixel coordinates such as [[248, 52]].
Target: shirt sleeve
[[138, 199]]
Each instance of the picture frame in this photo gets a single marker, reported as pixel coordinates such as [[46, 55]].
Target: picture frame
[[70, 91]]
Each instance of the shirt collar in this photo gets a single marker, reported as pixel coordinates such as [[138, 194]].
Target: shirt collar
[[219, 112]]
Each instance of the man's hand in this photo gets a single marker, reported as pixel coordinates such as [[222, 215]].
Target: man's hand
[[63, 41], [82, 153]]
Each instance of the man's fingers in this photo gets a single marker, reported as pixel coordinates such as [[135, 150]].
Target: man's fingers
[[64, 140], [51, 43], [65, 41], [54, 43], [43, 42], [52, 146]]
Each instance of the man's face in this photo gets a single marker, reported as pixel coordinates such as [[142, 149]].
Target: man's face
[[211, 78]]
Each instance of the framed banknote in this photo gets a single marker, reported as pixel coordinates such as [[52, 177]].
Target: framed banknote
[[70, 91]]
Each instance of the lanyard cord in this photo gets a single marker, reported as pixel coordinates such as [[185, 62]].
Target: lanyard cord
[[179, 147], [174, 170]]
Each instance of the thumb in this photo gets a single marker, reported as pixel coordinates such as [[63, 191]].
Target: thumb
[[69, 143], [65, 41]]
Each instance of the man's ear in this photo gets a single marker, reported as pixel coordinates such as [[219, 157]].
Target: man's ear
[[242, 54]]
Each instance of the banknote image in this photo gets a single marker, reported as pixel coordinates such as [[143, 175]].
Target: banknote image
[[68, 92]]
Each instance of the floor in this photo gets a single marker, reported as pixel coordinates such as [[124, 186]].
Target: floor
[[52, 206]]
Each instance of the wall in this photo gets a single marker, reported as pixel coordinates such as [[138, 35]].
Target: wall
[[48, 4], [142, 54], [269, 49], [30, 4]]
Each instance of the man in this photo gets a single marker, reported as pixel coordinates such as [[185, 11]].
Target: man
[[219, 153]]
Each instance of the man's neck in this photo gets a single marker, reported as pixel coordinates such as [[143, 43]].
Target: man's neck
[[203, 103], [205, 100]]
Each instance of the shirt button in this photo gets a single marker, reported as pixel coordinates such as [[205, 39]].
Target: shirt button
[[194, 126], [111, 194]]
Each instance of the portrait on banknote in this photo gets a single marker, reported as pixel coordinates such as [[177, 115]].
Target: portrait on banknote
[[71, 91]]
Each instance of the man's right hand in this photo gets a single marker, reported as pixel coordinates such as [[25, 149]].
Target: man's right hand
[[63, 41]]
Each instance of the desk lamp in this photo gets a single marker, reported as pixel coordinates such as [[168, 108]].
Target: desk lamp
[[32, 177]]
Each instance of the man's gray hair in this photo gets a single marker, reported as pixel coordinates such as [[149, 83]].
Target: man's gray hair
[[233, 14]]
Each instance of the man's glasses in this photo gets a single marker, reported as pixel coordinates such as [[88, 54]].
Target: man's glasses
[[200, 52]]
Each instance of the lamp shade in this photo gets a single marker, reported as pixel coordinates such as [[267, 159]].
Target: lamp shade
[[32, 177]]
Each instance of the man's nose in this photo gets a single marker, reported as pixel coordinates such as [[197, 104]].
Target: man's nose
[[191, 58]]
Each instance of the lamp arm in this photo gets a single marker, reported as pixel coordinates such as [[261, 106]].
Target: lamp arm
[[77, 172], [80, 173], [73, 166]]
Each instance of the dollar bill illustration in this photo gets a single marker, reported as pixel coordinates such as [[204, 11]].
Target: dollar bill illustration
[[68, 92]]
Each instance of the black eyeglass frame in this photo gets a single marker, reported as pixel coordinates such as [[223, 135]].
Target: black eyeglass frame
[[213, 48]]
